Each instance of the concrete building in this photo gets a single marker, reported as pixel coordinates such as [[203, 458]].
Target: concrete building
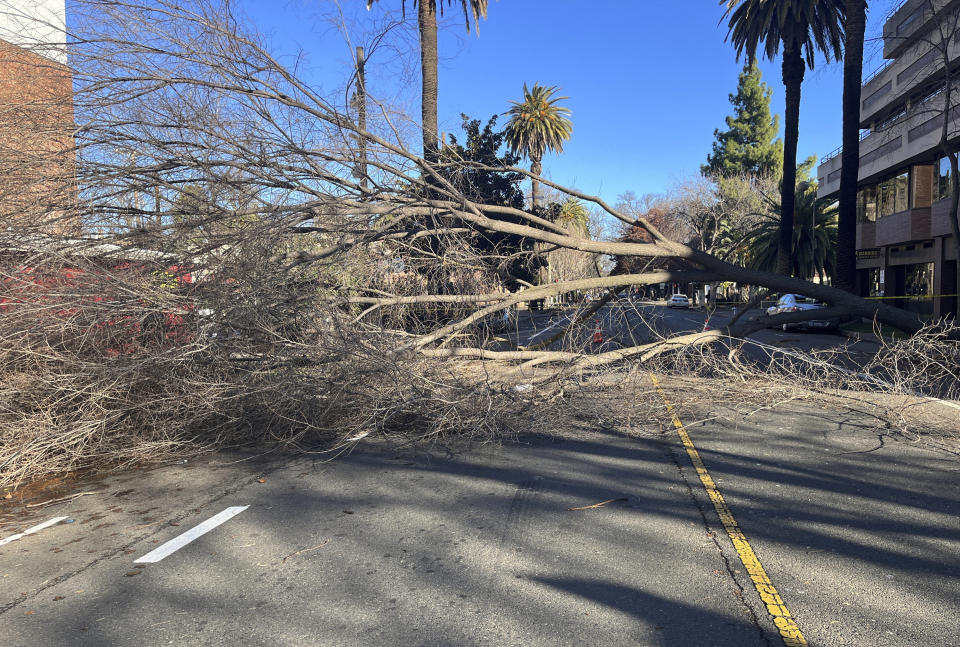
[[904, 243], [37, 159]]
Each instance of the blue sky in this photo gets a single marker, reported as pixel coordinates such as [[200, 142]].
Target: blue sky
[[647, 83]]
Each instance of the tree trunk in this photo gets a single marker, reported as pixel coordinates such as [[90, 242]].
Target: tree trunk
[[955, 224], [535, 168], [362, 117], [427, 18], [538, 247], [793, 69], [948, 151], [846, 278]]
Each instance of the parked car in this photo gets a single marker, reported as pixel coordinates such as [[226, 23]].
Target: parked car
[[679, 301], [798, 303]]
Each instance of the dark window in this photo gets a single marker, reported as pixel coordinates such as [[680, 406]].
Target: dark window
[[893, 195], [919, 68], [877, 95], [919, 279], [902, 192], [941, 183], [867, 204], [875, 282], [907, 23]]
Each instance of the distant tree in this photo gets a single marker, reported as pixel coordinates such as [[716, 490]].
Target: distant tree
[[537, 125], [574, 216], [803, 28], [750, 143], [473, 10], [814, 242], [571, 264], [508, 253], [483, 147]]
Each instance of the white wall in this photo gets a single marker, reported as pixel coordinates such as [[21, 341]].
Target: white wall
[[38, 25]]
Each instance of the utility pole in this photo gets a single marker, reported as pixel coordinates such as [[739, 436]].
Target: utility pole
[[360, 97]]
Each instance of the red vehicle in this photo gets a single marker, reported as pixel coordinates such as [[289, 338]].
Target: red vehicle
[[101, 304]]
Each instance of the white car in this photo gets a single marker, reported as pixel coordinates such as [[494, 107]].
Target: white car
[[679, 301], [798, 303]]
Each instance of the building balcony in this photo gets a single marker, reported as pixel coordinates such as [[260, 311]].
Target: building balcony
[[906, 21], [940, 218], [915, 136], [903, 227], [915, 63]]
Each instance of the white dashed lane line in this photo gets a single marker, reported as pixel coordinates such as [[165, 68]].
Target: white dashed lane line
[[199, 530], [30, 531]]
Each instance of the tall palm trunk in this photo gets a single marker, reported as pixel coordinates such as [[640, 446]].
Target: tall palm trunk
[[856, 11], [793, 69], [538, 247], [949, 82], [427, 19], [535, 168]]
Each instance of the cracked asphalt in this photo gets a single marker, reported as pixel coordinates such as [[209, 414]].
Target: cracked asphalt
[[479, 547]]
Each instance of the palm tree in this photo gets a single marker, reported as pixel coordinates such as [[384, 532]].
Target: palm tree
[[574, 217], [473, 10], [856, 18], [537, 125], [802, 27], [813, 242]]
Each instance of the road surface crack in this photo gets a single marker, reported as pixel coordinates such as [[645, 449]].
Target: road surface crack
[[714, 537]]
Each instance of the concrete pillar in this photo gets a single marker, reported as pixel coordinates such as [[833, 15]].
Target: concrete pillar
[[938, 304]]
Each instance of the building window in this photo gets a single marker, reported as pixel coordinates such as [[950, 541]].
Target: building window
[[893, 195], [918, 285], [901, 192], [875, 282], [867, 204], [908, 23], [941, 184]]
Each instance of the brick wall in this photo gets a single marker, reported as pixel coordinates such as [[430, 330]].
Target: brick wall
[[37, 161]]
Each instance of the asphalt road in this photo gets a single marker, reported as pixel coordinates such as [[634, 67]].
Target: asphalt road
[[859, 534], [626, 323]]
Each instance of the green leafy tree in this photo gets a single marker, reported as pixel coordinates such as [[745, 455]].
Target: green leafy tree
[[473, 10], [508, 253], [856, 19], [802, 28], [574, 216], [814, 240], [482, 147], [537, 125], [750, 143]]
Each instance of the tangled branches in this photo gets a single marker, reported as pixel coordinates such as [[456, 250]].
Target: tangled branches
[[230, 256]]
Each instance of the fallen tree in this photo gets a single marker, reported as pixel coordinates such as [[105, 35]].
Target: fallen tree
[[336, 287]]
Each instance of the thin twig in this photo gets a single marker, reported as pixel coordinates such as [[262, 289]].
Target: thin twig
[[306, 550], [599, 505]]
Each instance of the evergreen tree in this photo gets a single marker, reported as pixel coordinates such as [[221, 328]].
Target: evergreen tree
[[748, 146], [508, 253]]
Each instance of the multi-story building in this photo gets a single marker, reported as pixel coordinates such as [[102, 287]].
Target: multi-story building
[[37, 159], [905, 246]]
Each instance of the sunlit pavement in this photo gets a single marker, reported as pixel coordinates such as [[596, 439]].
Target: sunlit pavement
[[858, 532]]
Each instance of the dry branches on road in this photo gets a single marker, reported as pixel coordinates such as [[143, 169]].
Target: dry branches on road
[[235, 259]]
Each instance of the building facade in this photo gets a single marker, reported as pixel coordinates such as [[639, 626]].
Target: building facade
[[906, 252], [37, 157]]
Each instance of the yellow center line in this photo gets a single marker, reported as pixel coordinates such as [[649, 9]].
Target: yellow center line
[[789, 631]]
